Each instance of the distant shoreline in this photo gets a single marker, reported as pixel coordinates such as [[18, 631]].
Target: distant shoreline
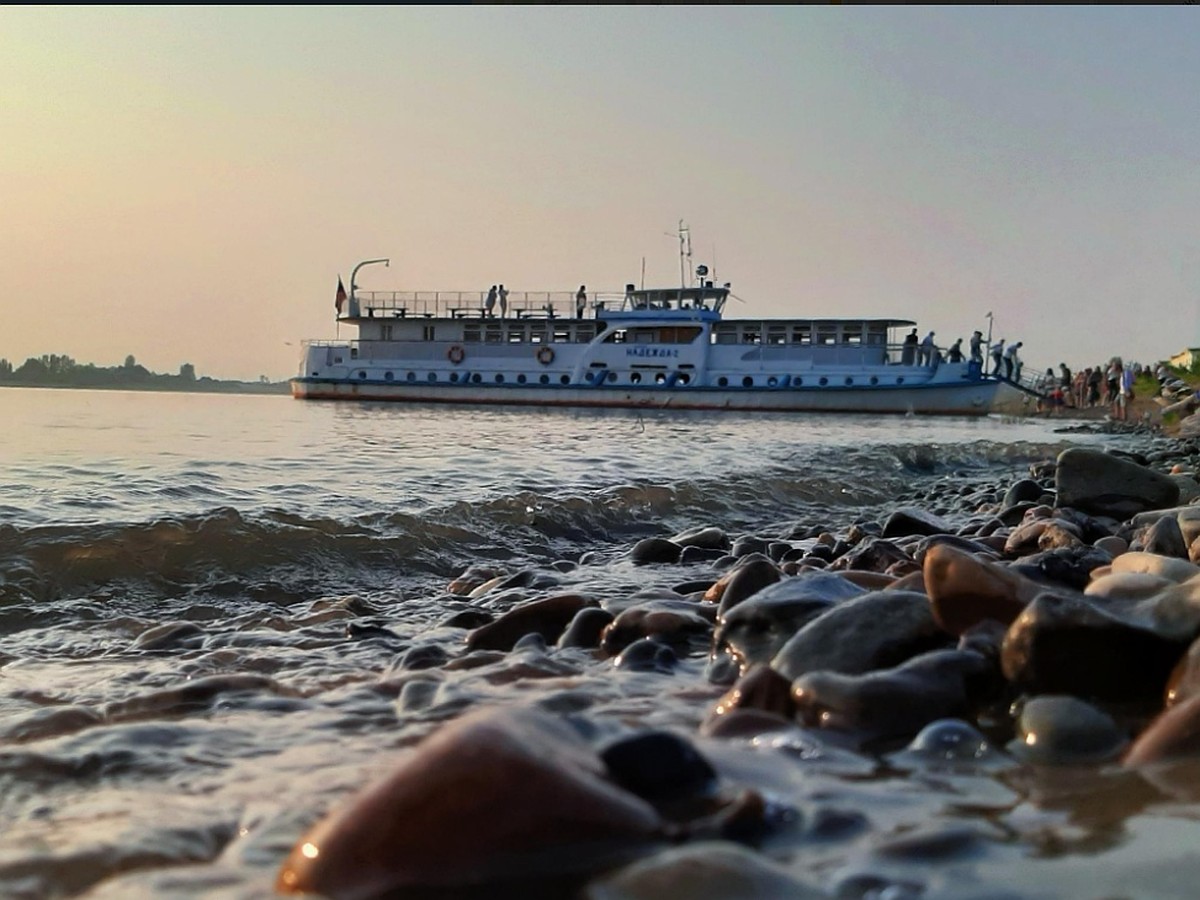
[[214, 387]]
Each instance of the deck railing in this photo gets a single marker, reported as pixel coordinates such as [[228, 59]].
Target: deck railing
[[470, 304]]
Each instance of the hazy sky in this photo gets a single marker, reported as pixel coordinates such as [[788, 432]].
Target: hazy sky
[[186, 184]]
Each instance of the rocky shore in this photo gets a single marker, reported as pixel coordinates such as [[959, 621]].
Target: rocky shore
[[1044, 624]]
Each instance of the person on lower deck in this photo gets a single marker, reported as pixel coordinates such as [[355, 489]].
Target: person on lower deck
[[925, 356], [955, 354], [997, 356]]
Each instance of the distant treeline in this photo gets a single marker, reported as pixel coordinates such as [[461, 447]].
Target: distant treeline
[[53, 370]]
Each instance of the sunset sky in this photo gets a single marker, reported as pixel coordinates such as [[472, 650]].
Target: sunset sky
[[187, 184]]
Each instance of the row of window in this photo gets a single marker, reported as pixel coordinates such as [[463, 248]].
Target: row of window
[[660, 378]]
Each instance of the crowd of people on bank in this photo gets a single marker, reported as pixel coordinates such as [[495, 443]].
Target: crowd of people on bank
[[1110, 384]]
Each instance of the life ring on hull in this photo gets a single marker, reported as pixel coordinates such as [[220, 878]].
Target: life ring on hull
[[456, 354], [545, 355]]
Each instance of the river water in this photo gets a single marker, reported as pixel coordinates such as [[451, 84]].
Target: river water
[[300, 549]]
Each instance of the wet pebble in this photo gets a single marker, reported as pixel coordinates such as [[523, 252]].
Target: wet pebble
[[1062, 730]]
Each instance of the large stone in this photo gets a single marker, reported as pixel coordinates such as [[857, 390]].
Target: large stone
[[488, 799], [874, 631], [964, 590], [747, 579], [755, 630], [1102, 484], [1165, 538], [1066, 644], [548, 617], [896, 701], [909, 521]]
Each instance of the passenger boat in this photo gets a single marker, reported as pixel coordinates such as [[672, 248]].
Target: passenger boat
[[659, 348]]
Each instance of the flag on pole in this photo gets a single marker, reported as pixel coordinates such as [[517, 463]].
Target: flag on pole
[[340, 300]]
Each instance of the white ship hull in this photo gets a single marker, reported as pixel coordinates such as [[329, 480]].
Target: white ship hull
[[968, 399]]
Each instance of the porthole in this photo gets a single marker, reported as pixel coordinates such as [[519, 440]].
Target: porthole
[[823, 381], [544, 379], [589, 377], [433, 376], [900, 379], [772, 381], [684, 378], [520, 379], [411, 376], [612, 376], [565, 379], [659, 377], [362, 374], [723, 381], [635, 378], [849, 381], [747, 381], [388, 376], [476, 378], [797, 381], [453, 377], [499, 379], [874, 379]]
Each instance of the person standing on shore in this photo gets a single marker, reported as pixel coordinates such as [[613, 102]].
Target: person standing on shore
[[1127, 376], [1116, 398], [1112, 379], [1094, 379]]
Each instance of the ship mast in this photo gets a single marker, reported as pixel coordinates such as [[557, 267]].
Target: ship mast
[[685, 253]]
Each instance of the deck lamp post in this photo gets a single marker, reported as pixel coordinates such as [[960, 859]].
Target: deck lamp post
[[354, 286]]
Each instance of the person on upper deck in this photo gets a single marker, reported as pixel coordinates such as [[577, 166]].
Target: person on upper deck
[[490, 303], [977, 347], [503, 301], [581, 302], [908, 355]]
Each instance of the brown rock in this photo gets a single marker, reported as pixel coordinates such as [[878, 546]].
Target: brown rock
[[964, 590], [487, 799], [1174, 733]]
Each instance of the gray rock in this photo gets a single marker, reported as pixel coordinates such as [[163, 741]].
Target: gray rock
[[1060, 730], [754, 631], [1103, 484], [873, 631], [909, 521]]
